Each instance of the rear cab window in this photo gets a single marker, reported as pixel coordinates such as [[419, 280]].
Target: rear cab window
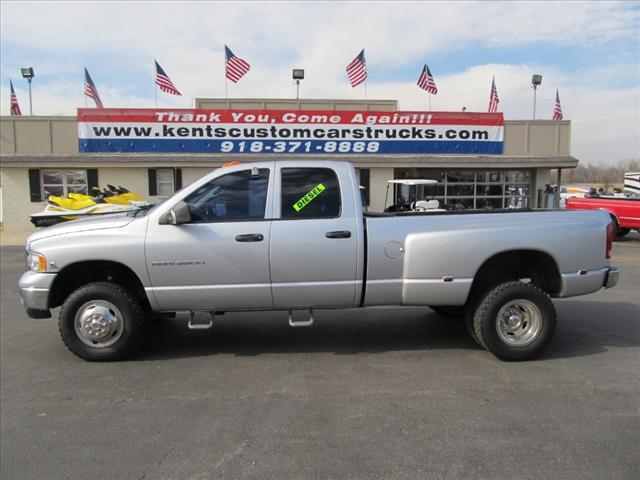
[[310, 193]]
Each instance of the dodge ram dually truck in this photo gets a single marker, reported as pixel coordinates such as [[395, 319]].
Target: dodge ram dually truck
[[292, 235]]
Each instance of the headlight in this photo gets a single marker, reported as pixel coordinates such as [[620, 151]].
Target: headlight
[[36, 262]]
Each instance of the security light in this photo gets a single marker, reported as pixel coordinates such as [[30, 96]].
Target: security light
[[536, 80], [298, 74], [27, 72]]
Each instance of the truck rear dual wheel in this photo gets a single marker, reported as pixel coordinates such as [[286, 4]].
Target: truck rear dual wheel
[[101, 322], [515, 321]]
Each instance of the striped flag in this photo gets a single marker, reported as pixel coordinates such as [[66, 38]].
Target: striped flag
[[164, 82], [426, 82], [235, 67], [357, 70], [557, 110], [493, 98], [15, 108], [90, 89]]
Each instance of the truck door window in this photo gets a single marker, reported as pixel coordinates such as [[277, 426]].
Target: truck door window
[[236, 196], [310, 193]]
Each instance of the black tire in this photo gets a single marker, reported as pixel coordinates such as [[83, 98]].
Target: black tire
[[454, 312], [130, 322], [532, 309], [621, 232], [468, 320]]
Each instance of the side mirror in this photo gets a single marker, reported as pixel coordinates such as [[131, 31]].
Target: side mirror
[[178, 215]]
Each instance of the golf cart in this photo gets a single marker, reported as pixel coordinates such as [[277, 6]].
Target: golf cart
[[418, 198]]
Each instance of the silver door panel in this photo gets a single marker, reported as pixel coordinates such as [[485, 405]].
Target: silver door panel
[[194, 266]]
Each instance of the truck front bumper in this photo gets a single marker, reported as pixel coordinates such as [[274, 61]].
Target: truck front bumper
[[611, 279], [34, 292]]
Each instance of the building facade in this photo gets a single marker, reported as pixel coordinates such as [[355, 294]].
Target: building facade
[[40, 157]]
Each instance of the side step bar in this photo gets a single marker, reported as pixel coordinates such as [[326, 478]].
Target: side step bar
[[196, 323], [301, 323]]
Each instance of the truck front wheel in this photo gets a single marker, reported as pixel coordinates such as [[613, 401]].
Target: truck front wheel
[[515, 321], [101, 321]]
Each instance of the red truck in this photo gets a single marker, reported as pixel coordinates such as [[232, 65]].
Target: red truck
[[625, 212]]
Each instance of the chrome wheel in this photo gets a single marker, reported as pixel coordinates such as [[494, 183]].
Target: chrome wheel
[[98, 323], [519, 322]]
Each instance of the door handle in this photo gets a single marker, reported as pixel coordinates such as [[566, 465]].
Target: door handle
[[338, 234], [250, 237]]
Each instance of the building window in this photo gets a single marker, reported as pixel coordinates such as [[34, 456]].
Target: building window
[[165, 183], [467, 189], [63, 182]]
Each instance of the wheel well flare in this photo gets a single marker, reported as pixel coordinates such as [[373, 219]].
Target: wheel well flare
[[535, 266], [75, 275]]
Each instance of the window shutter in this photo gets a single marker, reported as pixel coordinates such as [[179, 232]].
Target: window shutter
[[177, 179], [153, 184], [34, 185], [92, 178]]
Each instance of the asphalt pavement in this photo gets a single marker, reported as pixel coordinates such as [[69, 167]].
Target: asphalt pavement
[[394, 393]]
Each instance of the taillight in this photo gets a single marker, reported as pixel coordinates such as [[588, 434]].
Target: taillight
[[611, 231]]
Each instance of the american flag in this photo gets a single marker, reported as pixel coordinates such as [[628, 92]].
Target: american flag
[[164, 82], [426, 82], [235, 67], [15, 108], [357, 70], [90, 89], [557, 110], [493, 99]]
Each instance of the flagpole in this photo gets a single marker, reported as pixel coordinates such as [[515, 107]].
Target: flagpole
[[155, 85], [365, 88], [429, 97], [226, 87]]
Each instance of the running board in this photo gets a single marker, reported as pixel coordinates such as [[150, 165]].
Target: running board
[[301, 323], [198, 323]]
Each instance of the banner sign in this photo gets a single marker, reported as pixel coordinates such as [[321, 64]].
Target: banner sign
[[288, 131]]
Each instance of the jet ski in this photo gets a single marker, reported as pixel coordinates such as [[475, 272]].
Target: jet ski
[[78, 205]]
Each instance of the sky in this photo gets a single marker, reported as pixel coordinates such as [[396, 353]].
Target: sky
[[589, 51]]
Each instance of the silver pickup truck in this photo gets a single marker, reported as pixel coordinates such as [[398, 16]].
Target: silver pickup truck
[[293, 235]]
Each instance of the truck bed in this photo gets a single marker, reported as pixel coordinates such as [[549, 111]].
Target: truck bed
[[410, 254]]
